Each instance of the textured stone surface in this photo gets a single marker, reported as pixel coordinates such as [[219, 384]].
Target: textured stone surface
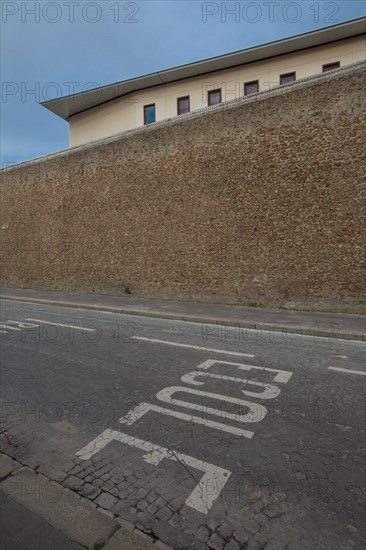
[[76, 518], [232, 545], [7, 466], [260, 201], [73, 482], [126, 539], [106, 501], [215, 542]]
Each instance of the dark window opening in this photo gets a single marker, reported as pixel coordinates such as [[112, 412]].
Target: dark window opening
[[251, 87], [214, 97], [331, 66], [287, 78], [183, 105], [149, 113]]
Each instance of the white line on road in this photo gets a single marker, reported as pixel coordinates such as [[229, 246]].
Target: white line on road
[[20, 324], [2, 325], [361, 372], [61, 325], [214, 350], [207, 490], [269, 392], [143, 408], [256, 412], [282, 376]]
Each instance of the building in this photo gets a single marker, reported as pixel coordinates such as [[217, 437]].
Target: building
[[129, 104], [258, 200]]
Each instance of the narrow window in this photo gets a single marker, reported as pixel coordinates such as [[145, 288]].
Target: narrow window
[[331, 66], [183, 105], [149, 113], [214, 97], [251, 87], [287, 78]]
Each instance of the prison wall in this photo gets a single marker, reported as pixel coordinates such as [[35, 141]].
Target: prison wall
[[259, 201]]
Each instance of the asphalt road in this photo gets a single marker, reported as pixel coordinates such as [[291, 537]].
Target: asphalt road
[[173, 427]]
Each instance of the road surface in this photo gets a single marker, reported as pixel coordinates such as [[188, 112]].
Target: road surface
[[202, 436]]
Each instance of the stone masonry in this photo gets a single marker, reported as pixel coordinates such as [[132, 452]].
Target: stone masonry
[[258, 201]]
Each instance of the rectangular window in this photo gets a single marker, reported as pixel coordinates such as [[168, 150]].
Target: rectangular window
[[214, 97], [149, 114], [183, 105], [251, 87], [287, 78], [331, 66]]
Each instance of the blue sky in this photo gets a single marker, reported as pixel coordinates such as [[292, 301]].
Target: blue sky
[[52, 48]]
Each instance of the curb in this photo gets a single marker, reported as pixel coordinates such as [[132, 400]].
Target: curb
[[73, 515], [267, 327]]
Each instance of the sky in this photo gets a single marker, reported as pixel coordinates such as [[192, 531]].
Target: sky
[[53, 48]]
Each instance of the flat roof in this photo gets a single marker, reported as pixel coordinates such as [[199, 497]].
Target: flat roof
[[68, 106]]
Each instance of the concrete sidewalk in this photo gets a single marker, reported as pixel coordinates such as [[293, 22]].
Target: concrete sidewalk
[[331, 325], [38, 513], [20, 529]]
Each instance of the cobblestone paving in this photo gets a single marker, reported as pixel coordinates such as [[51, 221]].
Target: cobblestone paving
[[152, 499]]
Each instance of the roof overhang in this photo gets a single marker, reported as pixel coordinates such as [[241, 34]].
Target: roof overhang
[[68, 106]]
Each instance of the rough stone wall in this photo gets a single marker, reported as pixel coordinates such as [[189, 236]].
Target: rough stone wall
[[258, 201]]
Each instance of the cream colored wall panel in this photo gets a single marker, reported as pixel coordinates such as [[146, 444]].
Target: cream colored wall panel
[[127, 113]]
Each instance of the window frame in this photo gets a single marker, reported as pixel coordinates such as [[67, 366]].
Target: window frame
[[145, 108], [284, 76], [189, 104], [326, 67], [209, 92], [250, 83]]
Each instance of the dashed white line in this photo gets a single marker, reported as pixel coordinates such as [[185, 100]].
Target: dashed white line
[[350, 371], [191, 346], [61, 325]]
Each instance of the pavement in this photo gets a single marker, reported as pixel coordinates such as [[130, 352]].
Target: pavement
[[320, 324], [20, 528], [37, 513], [136, 432]]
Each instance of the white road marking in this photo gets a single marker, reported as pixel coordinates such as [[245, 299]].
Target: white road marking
[[22, 325], [282, 376], [201, 498], [350, 371], [214, 350], [256, 412], [270, 391], [61, 325], [143, 408], [3, 325]]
